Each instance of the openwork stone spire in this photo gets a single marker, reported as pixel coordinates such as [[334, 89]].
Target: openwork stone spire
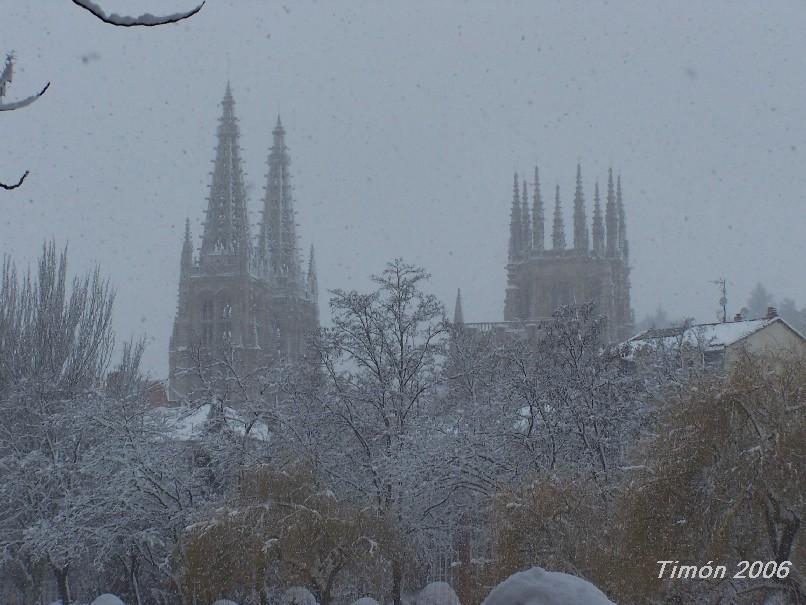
[[313, 280], [538, 236], [515, 228], [580, 220], [622, 222], [611, 217], [558, 229], [226, 227], [526, 223], [458, 314], [278, 232], [598, 224], [187, 248]]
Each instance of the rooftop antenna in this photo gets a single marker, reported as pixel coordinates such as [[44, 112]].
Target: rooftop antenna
[[723, 300]]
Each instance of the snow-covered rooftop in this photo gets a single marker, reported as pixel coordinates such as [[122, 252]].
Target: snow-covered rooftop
[[188, 423], [711, 336]]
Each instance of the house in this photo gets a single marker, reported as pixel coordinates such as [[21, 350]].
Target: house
[[720, 344]]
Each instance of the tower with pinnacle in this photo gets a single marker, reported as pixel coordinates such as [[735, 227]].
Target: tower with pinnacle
[[541, 278], [244, 299]]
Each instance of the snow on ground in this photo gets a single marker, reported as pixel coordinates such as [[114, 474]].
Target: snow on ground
[[437, 593], [225, 602], [537, 586], [107, 599]]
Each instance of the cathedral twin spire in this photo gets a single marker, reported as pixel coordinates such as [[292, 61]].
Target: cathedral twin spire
[[277, 244], [226, 226], [609, 231]]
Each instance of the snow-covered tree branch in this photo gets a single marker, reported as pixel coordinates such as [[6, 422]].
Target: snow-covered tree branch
[[5, 79], [144, 20]]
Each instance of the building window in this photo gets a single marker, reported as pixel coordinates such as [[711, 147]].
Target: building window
[[207, 322], [226, 321], [207, 310]]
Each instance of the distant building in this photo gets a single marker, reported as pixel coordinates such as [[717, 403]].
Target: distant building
[[542, 277], [720, 344], [250, 297], [156, 394]]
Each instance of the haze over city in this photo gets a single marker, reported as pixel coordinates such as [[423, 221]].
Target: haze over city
[[405, 123]]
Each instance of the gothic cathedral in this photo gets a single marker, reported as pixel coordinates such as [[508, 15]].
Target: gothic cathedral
[[250, 299], [541, 278]]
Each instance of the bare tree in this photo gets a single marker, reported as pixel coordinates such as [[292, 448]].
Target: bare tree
[[380, 370]]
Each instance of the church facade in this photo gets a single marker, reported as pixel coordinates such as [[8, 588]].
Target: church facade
[[247, 299], [545, 275]]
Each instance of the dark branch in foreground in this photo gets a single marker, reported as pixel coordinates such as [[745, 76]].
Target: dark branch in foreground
[[145, 20], [10, 187], [24, 102]]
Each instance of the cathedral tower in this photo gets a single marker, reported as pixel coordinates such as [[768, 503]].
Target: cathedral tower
[[248, 300], [541, 279]]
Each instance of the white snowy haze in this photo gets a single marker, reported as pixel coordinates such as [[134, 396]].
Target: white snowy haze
[[405, 122]]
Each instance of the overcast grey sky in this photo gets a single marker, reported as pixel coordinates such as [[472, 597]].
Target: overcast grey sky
[[405, 122]]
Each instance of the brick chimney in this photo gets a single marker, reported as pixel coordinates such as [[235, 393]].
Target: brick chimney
[[772, 312]]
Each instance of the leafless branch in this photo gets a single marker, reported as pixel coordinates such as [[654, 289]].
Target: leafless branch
[[10, 187], [24, 102]]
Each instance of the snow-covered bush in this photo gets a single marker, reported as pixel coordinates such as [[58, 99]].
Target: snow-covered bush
[[537, 586], [107, 599], [299, 596], [437, 593]]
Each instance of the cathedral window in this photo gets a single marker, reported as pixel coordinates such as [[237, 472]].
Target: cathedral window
[[207, 310], [225, 328], [207, 322]]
